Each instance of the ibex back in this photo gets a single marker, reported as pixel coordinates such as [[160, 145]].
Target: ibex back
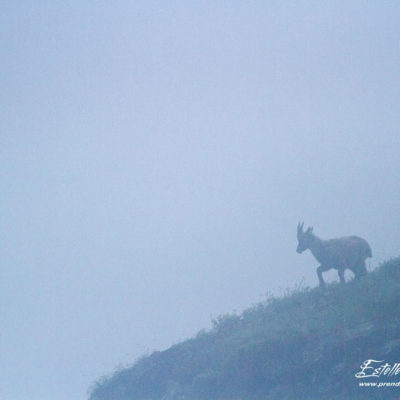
[[341, 254]]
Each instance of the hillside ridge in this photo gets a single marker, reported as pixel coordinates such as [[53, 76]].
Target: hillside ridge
[[308, 344]]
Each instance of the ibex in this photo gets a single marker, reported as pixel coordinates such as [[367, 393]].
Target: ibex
[[341, 254]]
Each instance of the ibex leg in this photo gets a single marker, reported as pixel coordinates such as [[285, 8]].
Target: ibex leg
[[341, 276], [320, 270], [361, 270]]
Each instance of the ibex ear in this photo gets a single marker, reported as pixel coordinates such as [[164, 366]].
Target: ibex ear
[[310, 229]]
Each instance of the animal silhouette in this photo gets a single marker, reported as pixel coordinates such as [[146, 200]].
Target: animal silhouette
[[341, 254]]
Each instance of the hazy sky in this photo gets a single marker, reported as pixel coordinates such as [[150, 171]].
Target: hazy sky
[[156, 158]]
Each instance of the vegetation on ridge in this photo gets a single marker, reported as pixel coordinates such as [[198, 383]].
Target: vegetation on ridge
[[305, 345]]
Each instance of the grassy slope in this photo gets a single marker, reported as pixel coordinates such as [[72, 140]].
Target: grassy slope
[[306, 345]]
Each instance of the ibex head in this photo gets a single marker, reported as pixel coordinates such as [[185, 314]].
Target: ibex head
[[304, 238]]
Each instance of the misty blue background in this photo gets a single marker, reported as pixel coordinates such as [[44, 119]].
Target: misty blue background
[[156, 158]]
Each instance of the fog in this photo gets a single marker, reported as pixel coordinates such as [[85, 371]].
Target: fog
[[156, 158]]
